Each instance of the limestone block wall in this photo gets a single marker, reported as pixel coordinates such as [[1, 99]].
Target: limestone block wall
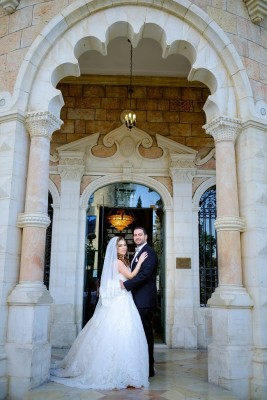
[[173, 112], [19, 29]]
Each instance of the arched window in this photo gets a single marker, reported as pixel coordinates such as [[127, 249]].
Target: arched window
[[48, 242], [208, 266]]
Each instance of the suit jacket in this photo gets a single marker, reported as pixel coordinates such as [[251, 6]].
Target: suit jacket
[[143, 285]]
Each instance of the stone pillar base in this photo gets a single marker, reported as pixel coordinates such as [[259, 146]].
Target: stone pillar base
[[28, 349], [30, 293], [229, 367], [259, 382], [3, 378], [258, 389], [28, 366], [230, 353], [230, 296]]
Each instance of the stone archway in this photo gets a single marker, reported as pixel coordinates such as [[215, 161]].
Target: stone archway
[[179, 28], [54, 55]]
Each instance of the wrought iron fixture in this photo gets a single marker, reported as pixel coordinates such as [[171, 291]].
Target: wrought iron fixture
[[130, 117], [120, 220]]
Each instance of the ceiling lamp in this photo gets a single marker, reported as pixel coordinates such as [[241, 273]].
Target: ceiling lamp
[[120, 220], [130, 117]]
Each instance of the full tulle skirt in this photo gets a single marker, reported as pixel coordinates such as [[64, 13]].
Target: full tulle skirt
[[110, 352]]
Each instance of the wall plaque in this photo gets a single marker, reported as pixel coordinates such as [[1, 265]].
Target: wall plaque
[[183, 263]]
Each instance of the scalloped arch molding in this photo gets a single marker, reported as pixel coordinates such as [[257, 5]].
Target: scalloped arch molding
[[180, 27]]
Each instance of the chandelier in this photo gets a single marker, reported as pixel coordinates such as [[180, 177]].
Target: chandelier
[[130, 117], [120, 220]]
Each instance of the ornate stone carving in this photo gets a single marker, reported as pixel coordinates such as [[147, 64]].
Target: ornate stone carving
[[182, 167], [71, 165], [9, 5], [42, 123], [127, 146], [37, 219], [71, 172], [181, 175], [223, 128], [183, 164], [257, 10], [230, 223], [209, 156], [54, 158], [137, 137]]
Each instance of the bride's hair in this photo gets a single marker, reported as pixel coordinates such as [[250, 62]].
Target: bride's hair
[[124, 259]]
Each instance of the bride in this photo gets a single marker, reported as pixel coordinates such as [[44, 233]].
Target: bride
[[111, 350]]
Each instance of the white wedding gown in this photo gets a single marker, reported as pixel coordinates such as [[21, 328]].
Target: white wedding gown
[[110, 352]]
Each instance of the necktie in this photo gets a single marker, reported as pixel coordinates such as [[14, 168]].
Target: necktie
[[134, 257]]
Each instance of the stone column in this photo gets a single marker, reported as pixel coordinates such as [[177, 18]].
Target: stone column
[[184, 330], [28, 349], [230, 351], [68, 271], [252, 172]]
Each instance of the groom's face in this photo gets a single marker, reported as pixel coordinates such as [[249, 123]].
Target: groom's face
[[139, 237]]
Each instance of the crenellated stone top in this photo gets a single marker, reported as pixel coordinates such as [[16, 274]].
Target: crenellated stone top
[[257, 10], [9, 5]]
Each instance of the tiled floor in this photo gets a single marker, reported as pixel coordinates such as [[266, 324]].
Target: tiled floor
[[180, 375]]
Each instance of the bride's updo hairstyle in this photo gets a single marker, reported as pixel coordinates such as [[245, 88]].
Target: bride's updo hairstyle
[[125, 259]]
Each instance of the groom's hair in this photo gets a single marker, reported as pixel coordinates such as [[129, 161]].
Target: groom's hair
[[142, 229]]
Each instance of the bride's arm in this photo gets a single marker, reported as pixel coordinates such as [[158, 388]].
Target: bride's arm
[[127, 272]]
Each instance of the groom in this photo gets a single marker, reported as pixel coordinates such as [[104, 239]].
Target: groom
[[144, 290]]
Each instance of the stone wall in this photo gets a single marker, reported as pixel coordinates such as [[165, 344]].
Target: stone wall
[[174, 112], [19, 30]]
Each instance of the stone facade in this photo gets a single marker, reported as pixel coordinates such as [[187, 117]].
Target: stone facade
[[173, 112], [67, 136]]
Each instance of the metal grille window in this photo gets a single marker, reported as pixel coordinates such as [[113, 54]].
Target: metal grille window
[[208, 266], [48, 243]]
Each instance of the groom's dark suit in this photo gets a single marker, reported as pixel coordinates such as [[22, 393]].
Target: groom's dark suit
[[144, 290]]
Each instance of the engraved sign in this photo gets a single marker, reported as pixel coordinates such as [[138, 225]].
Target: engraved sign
[[183, 263]]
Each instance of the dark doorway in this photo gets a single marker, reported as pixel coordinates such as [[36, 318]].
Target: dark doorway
[[99, 231]]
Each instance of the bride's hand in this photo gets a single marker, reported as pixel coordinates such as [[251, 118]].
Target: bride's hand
[[143, 257]]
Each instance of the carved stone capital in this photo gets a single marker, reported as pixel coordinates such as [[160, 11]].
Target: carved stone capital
[[182, 167], [223, 129], [230, 223], [36, 219], [71, 172], [42, 123], [185, 164], [71, 165], [9, 5], [181, 175], [257, 10]]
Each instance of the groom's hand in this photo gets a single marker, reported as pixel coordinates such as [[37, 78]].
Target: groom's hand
[[122, 285]]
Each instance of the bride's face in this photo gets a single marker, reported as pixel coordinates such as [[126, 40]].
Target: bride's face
[[122, 247]]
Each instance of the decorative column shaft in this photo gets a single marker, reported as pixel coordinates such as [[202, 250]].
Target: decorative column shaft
[[34, 220], [67, 308], [27, 347], [228, 223], [229, 353], [181, 316]]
